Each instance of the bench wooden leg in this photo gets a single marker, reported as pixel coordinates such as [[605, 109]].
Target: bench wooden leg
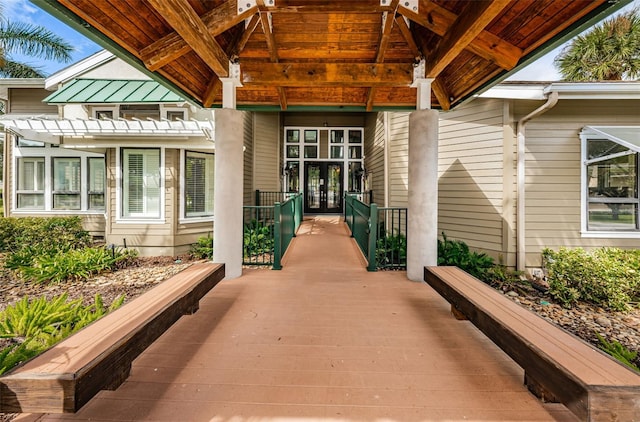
[[538, 390], [457, 314]]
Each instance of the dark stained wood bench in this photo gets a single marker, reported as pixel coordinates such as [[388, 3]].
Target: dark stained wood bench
[[99, 357], [558, 366]]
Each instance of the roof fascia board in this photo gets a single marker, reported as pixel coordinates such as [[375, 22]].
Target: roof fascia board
[[597, 15], [66, 16], [524, 91], [71, 72], [596, 90]]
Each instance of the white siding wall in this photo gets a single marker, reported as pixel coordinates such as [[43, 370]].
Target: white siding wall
[[398, 159], [471, 162], [248, 158], [374, 155], [266, 133], [553, 172]]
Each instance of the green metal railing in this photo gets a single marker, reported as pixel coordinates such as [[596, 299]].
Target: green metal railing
[[381, 233], [268, 230]]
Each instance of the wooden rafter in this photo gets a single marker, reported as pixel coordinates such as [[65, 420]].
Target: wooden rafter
[[209, 95], [265, 19], [246, 34], [408, 36], [486, 45], [385, 35], [441, 93], [327, 74], [181, 16], [313, 6], [471, 22], [173, 46]]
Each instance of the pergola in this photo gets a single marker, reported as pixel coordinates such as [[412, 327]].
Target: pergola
[[357, 55]]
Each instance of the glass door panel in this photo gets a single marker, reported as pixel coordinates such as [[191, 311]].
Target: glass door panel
[[323, 187]]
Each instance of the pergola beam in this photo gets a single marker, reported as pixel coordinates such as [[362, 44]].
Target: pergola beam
[[173, 46], [471, 22], [487, 45], [265, 19], [327, 74]]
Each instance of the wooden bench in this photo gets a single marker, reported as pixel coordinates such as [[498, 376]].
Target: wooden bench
[[99, 357], [558, 366]]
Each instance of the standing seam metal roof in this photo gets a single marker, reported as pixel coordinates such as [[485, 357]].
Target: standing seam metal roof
[[112, 91]]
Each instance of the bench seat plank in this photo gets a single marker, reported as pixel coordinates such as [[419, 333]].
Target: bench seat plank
[[557, 364], [99, 357]]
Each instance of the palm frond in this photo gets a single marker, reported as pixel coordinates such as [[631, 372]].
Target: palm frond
[[35, 41], [13, 69]]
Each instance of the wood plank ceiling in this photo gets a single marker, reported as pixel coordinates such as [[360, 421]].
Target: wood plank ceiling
[[329, 53]]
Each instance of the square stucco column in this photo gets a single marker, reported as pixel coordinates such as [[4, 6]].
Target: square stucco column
[[228, 190], [422, 236]]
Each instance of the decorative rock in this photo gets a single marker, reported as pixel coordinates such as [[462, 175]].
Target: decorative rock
[[603, 321], [512, 293]]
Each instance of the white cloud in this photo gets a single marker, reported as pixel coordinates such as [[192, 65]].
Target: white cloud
[[19, 11]]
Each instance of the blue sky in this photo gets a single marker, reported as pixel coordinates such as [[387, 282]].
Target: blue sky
[[24, 11]]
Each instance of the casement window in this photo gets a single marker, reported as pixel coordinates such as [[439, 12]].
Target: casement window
[[96, 183], [31, 189], [66, 183], [141, 183], [610, 180], [198, 184]]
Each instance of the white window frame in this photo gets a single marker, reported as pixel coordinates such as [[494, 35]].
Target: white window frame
[[120, 218], [48, 152], [115, 111], [42, 191], [77, 192], [164, 111], [584, 194], [183, 190]]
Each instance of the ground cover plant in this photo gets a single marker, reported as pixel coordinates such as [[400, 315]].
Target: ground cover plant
[[202, 249], [607, 277], [258, 238], [391, 250], [30, 326]]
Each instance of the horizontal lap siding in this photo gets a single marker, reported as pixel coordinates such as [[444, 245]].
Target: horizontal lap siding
[[553, 168], [398, 159], [29, 101], [374, 155], [248, 195], [471, 175], [266, 174]]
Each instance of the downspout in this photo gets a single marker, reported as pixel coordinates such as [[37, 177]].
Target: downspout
[[552, 100]]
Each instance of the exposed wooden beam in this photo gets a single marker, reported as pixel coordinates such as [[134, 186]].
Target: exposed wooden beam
[[209, 95], [265, 19], [487, 45], [173, 46], [383, 42], [246, 34], [471, 22], [408, 36], [327, 74], [323, 6], [441, 93]]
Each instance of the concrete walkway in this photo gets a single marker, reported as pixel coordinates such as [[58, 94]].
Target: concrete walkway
[[321, 340]]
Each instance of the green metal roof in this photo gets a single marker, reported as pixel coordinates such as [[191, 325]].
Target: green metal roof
[[112, 91]]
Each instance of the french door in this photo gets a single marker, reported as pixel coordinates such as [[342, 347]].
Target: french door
[[323, 193]]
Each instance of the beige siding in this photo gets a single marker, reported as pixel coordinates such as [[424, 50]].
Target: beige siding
[[398, 159], [29, 101], [374, 142], [471, 172], [248, 159], [266, 132], [553, 200]]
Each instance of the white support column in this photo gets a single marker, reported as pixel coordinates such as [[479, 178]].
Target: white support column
[[229, 86], [422, 236], [228, 191]]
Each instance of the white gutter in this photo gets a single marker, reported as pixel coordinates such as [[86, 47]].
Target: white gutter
[[552, 100]]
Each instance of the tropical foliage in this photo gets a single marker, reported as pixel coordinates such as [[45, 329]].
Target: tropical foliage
[[610, 51], [29, 40]]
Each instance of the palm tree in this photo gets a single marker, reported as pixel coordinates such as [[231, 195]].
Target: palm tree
[[608, 52], [30, 40]]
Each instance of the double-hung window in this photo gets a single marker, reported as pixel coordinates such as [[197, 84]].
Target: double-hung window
[[198, 184], [141, 183], [96, 183], [66, 183], [31, 189], [610, 180]]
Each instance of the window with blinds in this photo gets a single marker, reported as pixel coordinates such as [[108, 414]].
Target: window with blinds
[[96, 183], [66, 183], [198, 189], [30, 192], [141, 183]]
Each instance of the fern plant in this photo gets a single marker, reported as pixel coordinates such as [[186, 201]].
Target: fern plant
[[618, 351]]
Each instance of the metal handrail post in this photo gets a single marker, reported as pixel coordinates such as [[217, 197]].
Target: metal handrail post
[[373, 238], [277, 237]]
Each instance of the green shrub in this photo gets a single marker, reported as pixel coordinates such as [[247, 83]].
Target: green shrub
[[607, 277], [258, 238], [35, 325], [202, 249], [74, 264], [618, 351], [391, 250], [457, 253], [59, 233]]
